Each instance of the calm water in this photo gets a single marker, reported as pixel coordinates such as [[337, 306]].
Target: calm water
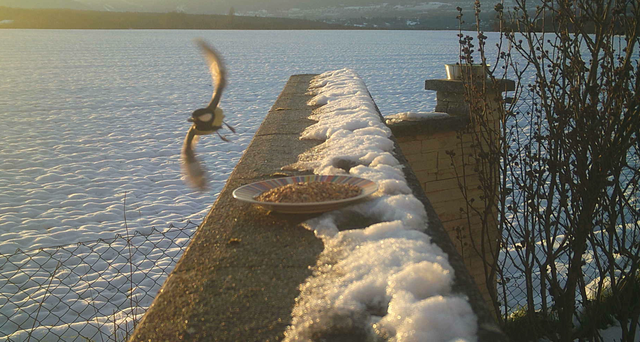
[[88, 116]]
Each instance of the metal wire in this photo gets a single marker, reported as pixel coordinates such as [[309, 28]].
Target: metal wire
[[88, 291]]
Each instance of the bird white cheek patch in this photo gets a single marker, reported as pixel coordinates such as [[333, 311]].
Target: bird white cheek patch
[[204, 118]]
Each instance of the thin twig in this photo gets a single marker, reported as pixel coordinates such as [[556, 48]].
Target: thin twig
[[44, 297]]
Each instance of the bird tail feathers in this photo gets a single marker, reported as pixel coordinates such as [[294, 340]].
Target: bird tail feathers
[[194, 173]]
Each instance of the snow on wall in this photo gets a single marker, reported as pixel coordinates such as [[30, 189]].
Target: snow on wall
[[387, 280]]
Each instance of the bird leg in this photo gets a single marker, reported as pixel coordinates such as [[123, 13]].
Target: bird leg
[[222, 137], [230, 128]]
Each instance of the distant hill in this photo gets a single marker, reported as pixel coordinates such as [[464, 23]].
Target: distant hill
[[260, 7], [80, 19], [69, 4]]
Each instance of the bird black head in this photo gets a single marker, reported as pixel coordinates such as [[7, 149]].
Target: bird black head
[[207, 121]]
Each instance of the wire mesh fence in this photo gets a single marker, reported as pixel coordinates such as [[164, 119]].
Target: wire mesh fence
[[88, 291], [519, 280]]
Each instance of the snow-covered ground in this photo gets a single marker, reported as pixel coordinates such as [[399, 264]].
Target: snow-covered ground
[[91, 117], [88, 116]]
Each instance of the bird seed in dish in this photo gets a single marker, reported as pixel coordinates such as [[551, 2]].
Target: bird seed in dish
[[309, 192]]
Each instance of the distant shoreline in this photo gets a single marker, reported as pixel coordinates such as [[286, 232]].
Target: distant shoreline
[[18, 18], [69, 19]]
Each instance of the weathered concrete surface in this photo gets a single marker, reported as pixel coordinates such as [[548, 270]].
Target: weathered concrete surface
[[239, 277]]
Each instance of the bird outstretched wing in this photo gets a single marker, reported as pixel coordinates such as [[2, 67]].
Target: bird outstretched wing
[[218, 73], [195, 174]]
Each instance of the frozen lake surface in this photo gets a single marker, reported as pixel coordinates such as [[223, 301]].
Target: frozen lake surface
[[88, 116], [92, 125]]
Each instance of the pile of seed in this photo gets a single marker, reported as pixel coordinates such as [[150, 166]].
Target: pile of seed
[[309, 192]]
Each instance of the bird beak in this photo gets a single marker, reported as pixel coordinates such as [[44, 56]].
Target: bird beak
[[190, 119]]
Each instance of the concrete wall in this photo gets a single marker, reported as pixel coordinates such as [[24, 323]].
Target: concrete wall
[[240, 276]]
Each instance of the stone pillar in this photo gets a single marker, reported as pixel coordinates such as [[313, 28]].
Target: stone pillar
[[440, 152]]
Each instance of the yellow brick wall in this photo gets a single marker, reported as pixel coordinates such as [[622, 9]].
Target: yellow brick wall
[[438, 174]]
